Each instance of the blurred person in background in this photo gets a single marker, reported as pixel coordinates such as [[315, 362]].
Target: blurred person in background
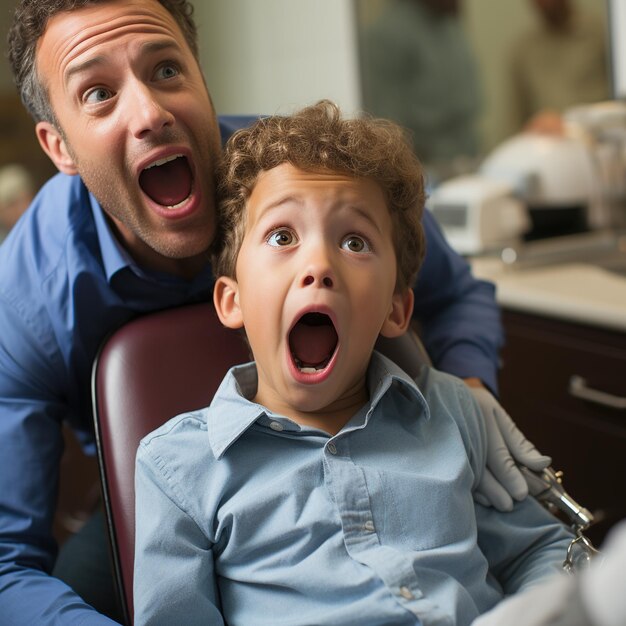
[[559, 62], [17, 189], [419, 70]]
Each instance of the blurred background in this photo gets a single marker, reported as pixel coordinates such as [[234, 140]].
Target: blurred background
[[518, 111], [270, 56]]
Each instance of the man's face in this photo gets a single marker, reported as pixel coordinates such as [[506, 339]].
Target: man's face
[[137, 125], [315, 282]]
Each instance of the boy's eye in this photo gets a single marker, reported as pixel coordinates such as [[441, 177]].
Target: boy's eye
[[282, 237], [99, 94], [355, 243]]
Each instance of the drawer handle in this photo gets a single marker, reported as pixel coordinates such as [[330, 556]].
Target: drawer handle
[[579, 389]]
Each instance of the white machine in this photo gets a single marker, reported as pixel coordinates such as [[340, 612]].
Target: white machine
[[571, 182], [478, 214]]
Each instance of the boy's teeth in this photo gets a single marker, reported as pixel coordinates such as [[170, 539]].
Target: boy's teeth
[[309, 369]]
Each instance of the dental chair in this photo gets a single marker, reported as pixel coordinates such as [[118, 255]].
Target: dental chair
[[170, 362]]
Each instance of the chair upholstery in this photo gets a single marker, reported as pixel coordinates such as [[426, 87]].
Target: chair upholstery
[[151, 369], [148, 371]]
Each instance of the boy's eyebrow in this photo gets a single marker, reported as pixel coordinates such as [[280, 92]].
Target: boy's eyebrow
[[366, 216], [276, 204]]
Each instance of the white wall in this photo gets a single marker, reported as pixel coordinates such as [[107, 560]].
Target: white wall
[[269, 56]]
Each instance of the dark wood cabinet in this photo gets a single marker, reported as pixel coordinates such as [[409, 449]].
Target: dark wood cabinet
[[586, 439]]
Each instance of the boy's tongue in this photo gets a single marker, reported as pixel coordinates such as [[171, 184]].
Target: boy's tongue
[[167, 184], [312, 344]]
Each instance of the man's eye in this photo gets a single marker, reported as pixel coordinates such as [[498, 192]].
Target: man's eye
[[167, 71], [99, 94], [282, 237], [355, 243]]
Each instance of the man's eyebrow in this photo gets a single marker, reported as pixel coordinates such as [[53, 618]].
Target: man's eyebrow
[[159, 45], [79, 68], [149, 47]]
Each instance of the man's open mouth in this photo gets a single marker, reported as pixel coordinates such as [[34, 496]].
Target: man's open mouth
[[312, 342], [168, 181]]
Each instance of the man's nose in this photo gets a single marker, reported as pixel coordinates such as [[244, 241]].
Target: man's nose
[[148, 115]]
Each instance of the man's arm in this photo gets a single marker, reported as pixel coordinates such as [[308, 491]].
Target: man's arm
[[174, 579], [462, 333], [458, 314], [521, 546], [30, 449]]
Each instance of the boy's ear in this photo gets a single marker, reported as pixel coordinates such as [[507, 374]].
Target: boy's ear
[[226, 301], [399, 316], [54, 146]]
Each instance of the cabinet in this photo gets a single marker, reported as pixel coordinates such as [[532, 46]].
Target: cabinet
[[586, 439]]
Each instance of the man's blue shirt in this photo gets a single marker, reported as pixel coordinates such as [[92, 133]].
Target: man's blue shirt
[[65, 284], [246, 516]]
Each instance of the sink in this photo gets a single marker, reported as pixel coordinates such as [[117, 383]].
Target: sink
[[576, 278], [615, 264], [604, 249]]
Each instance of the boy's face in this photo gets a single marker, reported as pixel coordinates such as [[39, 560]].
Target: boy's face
[[315, 287]]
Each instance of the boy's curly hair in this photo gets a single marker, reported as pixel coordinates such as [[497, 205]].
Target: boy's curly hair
[[318, 138]]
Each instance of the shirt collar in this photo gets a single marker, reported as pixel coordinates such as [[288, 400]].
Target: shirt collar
[[114, 256], [232, 412]]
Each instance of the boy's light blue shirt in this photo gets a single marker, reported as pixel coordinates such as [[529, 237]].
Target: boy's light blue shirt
[[245, 517]]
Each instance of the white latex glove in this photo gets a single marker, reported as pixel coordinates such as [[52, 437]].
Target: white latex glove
[[506, 448]]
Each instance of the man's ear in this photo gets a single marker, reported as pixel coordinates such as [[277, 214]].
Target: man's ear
[[399, 316], [54, 146], [226, 301]]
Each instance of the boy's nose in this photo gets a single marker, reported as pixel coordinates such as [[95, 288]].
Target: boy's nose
[[319, 271], [311, 279]]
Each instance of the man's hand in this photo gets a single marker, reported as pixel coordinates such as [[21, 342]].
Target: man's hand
[[506, 447]]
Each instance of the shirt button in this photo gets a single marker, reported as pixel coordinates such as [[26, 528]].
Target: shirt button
[[276, 426], [369, 526], [332, 448], [405, 592]]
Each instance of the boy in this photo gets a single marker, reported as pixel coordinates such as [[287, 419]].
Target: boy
[[323, 485]]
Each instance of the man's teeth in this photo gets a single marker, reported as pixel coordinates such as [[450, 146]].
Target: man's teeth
[[164, 160]]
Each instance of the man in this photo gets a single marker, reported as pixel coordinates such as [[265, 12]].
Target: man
[[419, 70], [122, 110], [560, 61]]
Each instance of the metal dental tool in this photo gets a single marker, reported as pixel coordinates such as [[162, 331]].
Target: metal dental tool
[[547, 487]]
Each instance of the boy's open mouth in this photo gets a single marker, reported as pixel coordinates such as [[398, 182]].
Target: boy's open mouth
[[168, 181], [312, 342]]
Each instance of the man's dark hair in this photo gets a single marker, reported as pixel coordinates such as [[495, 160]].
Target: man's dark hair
[[29, 23]]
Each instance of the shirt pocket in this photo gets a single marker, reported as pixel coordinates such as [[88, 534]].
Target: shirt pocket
[[421, 510]]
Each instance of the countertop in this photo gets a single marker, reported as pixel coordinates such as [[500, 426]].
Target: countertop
[[578, 291]]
